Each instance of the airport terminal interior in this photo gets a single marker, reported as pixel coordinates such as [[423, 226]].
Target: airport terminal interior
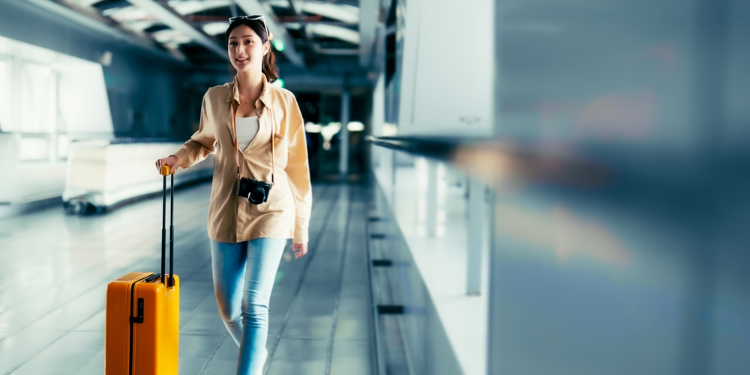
[[480, 187]]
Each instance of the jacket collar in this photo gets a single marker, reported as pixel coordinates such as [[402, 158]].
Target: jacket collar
[[235, 94]]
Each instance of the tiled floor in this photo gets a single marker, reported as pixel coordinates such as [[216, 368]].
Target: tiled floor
[[54, 270]]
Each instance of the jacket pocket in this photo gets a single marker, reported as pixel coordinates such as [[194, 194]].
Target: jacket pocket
[[281, 146]]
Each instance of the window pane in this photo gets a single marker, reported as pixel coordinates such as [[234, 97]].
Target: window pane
[[62, 146], [33, 149], [39, 104], [5, 83]]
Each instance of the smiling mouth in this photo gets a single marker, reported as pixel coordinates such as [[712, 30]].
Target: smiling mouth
[[241, 59]]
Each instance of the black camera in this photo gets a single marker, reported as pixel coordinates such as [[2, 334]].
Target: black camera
[[255, 191]]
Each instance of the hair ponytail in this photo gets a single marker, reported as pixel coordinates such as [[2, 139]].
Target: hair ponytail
[[269, 66]]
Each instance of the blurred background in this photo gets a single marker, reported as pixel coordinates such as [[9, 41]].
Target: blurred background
[[500, 186]]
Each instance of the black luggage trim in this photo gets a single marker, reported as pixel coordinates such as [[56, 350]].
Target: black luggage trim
[[139, 318], [133, 319]]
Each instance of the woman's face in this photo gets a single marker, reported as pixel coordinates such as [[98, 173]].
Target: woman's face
[[246, 49]]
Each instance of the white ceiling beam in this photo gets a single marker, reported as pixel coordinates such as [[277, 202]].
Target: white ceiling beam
[[337, 32], [97, 26], [279, 32], [343, 13], [175, 21], [194, 6]]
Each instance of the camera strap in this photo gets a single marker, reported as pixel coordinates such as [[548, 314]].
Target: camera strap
[[237, 149], [273, 145]]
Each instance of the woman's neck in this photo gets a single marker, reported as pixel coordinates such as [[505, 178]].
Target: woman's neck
[[250, 85]]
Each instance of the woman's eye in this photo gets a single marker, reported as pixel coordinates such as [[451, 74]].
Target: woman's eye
[[232, 43]]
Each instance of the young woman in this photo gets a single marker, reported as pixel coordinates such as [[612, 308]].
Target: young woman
[[256, 130]]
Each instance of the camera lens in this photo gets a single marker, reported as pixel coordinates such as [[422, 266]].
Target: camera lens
[[257, 195]]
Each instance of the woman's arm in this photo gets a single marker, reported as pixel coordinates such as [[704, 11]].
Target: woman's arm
[[201, 144], [298, 170]]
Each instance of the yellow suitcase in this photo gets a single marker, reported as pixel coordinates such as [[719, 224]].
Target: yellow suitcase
[[142, 314]]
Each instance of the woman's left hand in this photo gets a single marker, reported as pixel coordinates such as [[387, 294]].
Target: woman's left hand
[[300, 249]]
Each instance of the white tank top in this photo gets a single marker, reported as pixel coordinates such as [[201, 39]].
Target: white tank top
[[247, 128]]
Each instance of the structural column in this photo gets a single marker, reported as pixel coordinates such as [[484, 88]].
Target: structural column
[[475, 234], [432, 197], [344, 132]]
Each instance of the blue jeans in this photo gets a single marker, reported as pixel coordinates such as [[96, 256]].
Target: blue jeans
[[244, 274]]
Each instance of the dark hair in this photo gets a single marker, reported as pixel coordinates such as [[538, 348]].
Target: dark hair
[[269, 60]]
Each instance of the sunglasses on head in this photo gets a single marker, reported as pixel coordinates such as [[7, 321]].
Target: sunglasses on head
[[254, 17]]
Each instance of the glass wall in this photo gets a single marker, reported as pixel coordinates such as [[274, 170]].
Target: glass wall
[[45, 96]]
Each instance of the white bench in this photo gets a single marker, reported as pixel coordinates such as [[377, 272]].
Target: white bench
[[103, 173]]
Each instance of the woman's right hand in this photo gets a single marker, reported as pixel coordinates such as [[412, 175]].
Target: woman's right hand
[[171, 161]]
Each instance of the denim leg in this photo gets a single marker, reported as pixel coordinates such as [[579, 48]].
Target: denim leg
[[228, 263], [263, 256]]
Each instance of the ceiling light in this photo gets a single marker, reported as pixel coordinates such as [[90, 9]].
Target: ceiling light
[[106, 58], [330, 130], [311, 127], [194, 6], [126, 14], [215, 28], [172, 37], [278, 44], [355, 126], [389, 129]]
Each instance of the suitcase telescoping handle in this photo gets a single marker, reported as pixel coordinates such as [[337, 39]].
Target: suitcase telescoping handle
[[165, 173]]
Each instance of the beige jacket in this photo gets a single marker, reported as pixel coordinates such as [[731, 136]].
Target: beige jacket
[[231, 218]]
